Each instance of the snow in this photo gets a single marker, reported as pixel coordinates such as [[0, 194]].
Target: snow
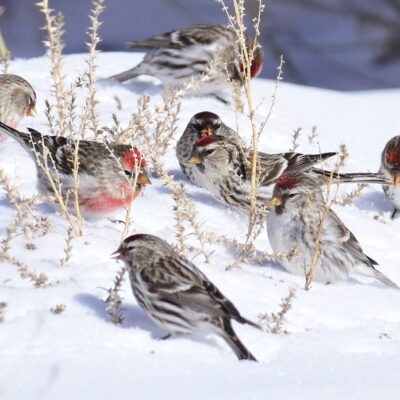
[[342, 341]]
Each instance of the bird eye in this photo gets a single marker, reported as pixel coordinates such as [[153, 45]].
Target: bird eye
[[217, 126], [291, 195], [128, 173], [208, 152], [198, 127]]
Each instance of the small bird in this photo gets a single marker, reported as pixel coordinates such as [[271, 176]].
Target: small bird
[[293, 224], [224, 168], [390, 167], [107, 174], [177, 295], [201, 125], [17, 99], [177, 57]]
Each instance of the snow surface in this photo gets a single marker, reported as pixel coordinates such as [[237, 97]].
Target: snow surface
[[343, 340]]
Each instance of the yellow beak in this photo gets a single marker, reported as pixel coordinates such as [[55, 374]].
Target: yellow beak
[[143, 180], [32, 111], [194, 160], [274, 202], [117, 255], [207, 132], [396, 180]]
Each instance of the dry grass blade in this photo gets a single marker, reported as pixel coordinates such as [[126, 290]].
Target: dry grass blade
[[274, 321]]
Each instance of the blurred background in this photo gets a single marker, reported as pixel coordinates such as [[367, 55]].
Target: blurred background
[[336, 44]]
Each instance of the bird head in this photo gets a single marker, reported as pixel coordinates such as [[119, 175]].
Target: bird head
[[205, 124], [135, 167], [392, 159], [212, 151], [294, 190]]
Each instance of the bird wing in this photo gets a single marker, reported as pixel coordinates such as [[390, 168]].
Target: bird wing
[[347, 239], [182, 283], [273, 166], [180, 38]]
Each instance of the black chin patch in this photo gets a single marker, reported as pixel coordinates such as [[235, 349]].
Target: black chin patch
[[279, 209], [200, 167]]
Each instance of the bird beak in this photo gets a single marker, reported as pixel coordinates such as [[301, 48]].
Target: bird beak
[[194, 160], [143, 180], [32, 111], [396, 180], [117, 255], [274, 202], [207, 132]]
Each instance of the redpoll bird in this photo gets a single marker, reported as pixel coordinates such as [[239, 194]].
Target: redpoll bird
[[224, 168], [201, 125], [107, 175], [293, 225], [177, 295], [390, 167], [17, 99], [178, 56]]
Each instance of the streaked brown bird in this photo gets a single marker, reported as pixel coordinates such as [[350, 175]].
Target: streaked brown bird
[[293, 224], [176, 295], [182, 55], [224, 169], [110, 177]]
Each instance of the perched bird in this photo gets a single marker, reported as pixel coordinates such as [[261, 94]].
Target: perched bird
[[390, 167], [293, 224], [224, 168], [17, 100], [181, 55], [177, 295], [107, 174], [201, 125]]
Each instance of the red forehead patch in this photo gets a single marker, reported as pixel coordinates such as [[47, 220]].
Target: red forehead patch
[[130, 158], [204, 141], [255, 68], [393, 155], [286, 182]]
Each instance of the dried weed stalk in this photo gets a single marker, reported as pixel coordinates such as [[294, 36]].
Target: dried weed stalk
[[114, 300], [274, 322], [157, 128], [91, 101], [68, 248], [5, 54], [330, 196], [26, 223], [246, 55], [295, 138]]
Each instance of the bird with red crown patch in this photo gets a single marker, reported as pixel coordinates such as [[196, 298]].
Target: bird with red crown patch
[[390, 167], [209, 54], [223, 167], [110, 177], [293, 224], [202, 125]]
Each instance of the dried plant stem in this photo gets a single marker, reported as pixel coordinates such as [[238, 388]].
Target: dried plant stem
[[275, 321], [114, 300], [4, 52], [91, 102], [323, 216], [54, 26]]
